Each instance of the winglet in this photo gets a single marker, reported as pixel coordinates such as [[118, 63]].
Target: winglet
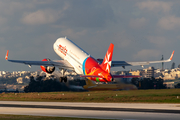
[[6, 57], [171, 56]]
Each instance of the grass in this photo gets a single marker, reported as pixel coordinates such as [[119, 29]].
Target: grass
[[28, 117], [146, 96]]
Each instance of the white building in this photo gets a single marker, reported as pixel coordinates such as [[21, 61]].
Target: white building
[[19, 80]]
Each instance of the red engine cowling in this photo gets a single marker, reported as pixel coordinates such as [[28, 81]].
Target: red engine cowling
[[47, 69]]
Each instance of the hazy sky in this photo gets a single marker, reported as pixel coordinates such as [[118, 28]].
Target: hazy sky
[[140, 29]]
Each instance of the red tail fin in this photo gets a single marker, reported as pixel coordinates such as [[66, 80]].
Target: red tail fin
[[106, 64]]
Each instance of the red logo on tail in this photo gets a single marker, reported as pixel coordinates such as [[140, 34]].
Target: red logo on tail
[[106, 64]]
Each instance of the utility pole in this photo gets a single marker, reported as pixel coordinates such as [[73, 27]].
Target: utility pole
[[162, 62], [173, 65]]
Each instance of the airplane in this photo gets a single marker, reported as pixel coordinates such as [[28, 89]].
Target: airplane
[[90, 86], [76, 59]]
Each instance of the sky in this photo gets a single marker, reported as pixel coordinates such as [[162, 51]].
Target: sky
[[140, 30]]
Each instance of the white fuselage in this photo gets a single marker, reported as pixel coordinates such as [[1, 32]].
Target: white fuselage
[[69, 51]]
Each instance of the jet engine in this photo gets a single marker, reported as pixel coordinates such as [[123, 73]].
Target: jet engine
[[47, 69]]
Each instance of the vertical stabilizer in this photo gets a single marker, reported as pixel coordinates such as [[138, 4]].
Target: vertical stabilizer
[[106, 64]]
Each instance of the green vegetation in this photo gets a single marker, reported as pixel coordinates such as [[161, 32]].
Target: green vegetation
[[148, 83], [40, 90], [28, 117], [146, 96], [40, 85], [177, 86]]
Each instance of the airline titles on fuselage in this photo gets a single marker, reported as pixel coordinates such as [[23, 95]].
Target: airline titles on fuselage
[[62, 49]]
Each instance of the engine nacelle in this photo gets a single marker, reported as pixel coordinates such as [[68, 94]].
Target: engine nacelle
[[47, 69]]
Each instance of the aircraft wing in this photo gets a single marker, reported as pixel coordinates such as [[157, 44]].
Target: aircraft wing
[[56, 63], [124, 63]]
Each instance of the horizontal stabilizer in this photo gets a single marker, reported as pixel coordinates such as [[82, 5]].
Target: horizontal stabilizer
[[95, 76], [126, 76], [114, 76]]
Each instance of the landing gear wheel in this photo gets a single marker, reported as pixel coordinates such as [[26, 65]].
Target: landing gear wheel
[[65, 79], [61, 79]]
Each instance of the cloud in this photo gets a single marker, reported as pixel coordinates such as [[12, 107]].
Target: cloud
[[123, 39], [3, 51], [160, 41], [14, 7], [169, 22], [88, 14], [146, 54], [155, 6], [72, 33], [40, 17], [138, 22], [2, 20], [2, 40]]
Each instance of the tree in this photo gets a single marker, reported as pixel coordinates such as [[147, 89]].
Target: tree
[[135, 81], [149, 83], [177, 86], [39, 85]]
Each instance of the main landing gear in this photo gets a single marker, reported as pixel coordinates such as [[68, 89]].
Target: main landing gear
[[61, 79]]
